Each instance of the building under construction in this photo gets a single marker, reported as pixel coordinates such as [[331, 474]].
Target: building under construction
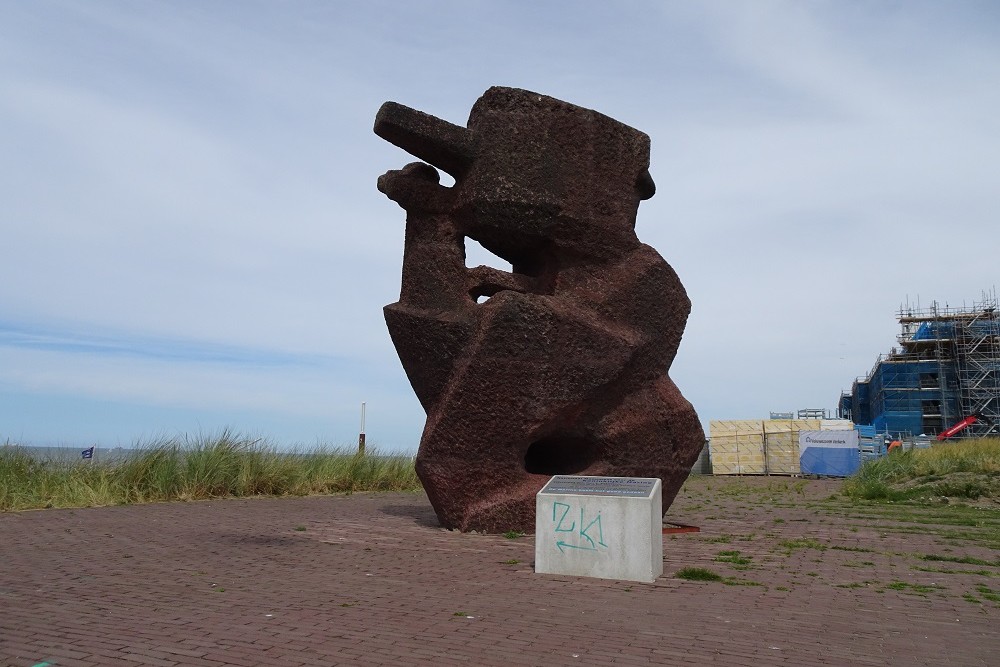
[[944, 373]]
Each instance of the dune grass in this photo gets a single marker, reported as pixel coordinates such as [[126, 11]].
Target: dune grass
[[220, 466], [964, 469]]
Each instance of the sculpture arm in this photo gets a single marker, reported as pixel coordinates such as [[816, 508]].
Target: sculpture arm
[[434, 273]]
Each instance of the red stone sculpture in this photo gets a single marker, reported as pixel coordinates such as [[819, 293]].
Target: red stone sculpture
[[563, 369]]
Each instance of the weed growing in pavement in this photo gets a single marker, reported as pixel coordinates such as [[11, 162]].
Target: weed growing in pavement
[[513, 534], [697, 574], [733, 581], [801, 543], [854, 563], [988, 593], [943, 570], [704, 574], [913, 589], [733, 557], [989, 538], [968, 560], [300, 528]]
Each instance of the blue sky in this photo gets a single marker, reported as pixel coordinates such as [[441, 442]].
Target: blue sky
[[193, 239]]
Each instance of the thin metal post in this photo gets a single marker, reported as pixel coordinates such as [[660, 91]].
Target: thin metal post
[[361, 435]]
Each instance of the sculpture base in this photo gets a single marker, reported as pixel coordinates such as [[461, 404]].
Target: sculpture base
[[602, 527]]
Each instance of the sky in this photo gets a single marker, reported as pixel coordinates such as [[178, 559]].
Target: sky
[[192, 238]]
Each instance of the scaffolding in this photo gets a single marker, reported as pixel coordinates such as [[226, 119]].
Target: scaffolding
[[946, 367]]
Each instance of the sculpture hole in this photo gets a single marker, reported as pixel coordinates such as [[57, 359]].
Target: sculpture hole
[[560, 455], [477, 255]]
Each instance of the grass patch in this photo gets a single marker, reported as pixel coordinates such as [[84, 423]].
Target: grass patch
[[967, 469], [915, 589], [802, 543], [988, 593], [733, 581], [967, 560], [224, 465], [864, 550], [733, 557], [944, 570], [704, 574], [858, 564], [697, 574]]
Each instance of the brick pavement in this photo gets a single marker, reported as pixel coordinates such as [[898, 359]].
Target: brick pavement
[[370, 580]]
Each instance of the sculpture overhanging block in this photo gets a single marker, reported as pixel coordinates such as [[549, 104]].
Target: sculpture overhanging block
[[563, 368]]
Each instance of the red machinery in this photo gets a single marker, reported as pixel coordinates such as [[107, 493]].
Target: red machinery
[[968, 421]]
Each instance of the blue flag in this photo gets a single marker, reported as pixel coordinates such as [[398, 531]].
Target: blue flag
[[87, 453]]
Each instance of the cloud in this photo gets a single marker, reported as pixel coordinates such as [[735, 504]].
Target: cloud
[[191, 224]]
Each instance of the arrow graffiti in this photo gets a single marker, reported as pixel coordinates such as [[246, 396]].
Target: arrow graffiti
[[586, 531]]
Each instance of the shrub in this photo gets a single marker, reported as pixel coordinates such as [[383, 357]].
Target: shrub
[[966, 469]]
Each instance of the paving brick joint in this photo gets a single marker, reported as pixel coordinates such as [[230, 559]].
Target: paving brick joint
[[371, 580]]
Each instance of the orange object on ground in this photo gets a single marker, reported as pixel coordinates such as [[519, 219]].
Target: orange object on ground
[[672, 528]]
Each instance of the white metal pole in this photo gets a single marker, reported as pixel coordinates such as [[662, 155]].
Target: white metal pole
[[361, 436]]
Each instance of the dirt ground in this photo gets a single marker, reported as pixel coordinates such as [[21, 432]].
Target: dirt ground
[[805, 577]]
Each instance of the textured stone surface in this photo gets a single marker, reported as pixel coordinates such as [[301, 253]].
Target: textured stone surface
[[563, 369]]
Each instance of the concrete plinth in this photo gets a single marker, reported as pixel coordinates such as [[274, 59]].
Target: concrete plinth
[[604, 527]]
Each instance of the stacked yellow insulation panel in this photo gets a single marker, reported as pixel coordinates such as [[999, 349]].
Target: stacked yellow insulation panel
[[737, 447], [781, 444], [757, 446]]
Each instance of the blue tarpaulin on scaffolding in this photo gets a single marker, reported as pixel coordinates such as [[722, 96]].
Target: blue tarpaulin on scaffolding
[[829, 453]]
